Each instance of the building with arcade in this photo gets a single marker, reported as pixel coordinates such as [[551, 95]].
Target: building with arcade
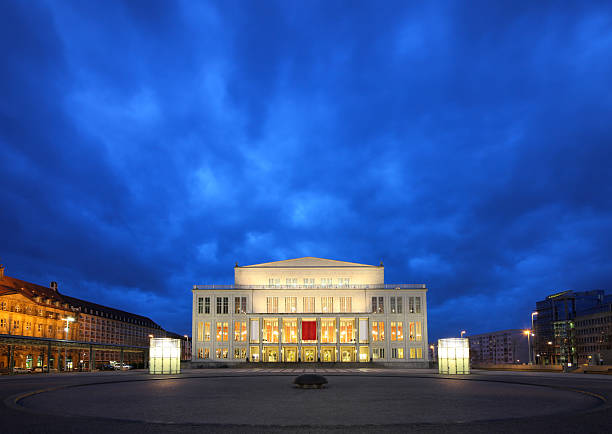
[[310, 310]]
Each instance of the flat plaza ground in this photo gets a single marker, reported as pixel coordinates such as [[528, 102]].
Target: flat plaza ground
[[265, 400]]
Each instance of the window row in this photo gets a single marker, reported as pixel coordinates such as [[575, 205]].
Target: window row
[[308, 354], [330, 331], [309, 282]]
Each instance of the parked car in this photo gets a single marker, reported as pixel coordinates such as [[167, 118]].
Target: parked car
[[107, 367], [20, 370], [40, 369], [120, 367]]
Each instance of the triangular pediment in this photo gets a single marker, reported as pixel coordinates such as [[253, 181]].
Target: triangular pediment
[[307, 261]]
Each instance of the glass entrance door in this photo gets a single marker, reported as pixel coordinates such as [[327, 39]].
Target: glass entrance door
[[309, 354], [347, 354], [328, 354], [289, 354]]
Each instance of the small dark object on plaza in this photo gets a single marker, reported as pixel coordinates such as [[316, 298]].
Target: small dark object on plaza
[[310, 381]]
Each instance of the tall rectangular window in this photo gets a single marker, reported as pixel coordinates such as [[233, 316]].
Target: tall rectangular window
[[200, 331], [290, 334], [392, 304], [327, 304], [254, 330], [207, 305], [411, 305], [200, 305], [363, 330], [207, 331], [411, 334], [222, 332], [418, 304], [226, 305], [309, 304], [291, 281], [270, 330], [374, 304], [326, 282], [346, 304], [419, 353], [347, 330], [240, 305], [274, 282], [344, 281], [381, 305], [309, 283], [290, 304], [272, 304], [328, 330], [219, 305], [397, 353], [240, 331], [418, 333], [378, 331], [400, 308]]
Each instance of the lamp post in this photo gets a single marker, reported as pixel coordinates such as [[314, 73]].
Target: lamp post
[[530, 349], [528, 333], [462, 333]]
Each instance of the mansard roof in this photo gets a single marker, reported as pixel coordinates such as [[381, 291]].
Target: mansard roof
[[307, 262]]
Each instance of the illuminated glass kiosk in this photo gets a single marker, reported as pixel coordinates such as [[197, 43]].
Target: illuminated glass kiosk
[[165, 356], [453, 356]]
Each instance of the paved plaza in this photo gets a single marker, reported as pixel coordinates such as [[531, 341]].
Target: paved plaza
[[265, 400]]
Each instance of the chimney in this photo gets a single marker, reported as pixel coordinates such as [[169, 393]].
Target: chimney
[[1, 272], [53, 286]]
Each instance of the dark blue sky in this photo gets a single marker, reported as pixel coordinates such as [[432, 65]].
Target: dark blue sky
[[147, 146]]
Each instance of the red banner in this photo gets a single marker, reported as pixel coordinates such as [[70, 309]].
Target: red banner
[[309, 330]]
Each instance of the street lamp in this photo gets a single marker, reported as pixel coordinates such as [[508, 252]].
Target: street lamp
[[462, 333], [528, 333]]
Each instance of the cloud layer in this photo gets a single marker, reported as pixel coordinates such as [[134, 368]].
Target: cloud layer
[[145, 148]]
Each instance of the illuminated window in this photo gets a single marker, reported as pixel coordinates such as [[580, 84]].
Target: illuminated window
[[346, 304], [290, 304], [328, 330], [240, 331], [291, 281], [411, 334], [418, 304], [200, 305], [240, 305], [272, 304], [206, 353], [274, 282], [207, 331], [411, 306], [207, 305], [392, 304], [309, 304], [270, 330], [254, 330], [412, 353], [222, 332], [419, 335], [347, 330], [400, 308], [378, 331], [239, 353], [222, 353], [200, 336], [309, 283], [397, 353], [378, 353], [3, 323], [200, 353], [344, 281], [290, 334], [327, 304], [16, 324], [363, 330], [419, 353], [378, 305]]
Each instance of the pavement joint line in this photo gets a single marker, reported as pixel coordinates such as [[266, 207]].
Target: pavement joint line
[[13, 401]]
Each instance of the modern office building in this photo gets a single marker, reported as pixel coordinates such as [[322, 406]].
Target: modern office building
[[594, 336], [310, 309], [502, 347], [555, 324], [51, 318]]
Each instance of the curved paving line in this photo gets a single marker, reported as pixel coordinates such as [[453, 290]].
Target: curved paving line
[[14, 401]]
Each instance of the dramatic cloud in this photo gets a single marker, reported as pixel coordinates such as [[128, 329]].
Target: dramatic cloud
[[145, 147]]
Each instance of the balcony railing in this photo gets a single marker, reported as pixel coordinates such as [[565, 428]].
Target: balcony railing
[[372, 286]]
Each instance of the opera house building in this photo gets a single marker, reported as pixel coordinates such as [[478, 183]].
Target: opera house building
[[310, 310]]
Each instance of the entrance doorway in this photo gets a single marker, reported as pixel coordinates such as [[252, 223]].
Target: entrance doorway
[[309, 354], [364, 354], [290, 354], [270, 354], [347, 354], [328, 354]]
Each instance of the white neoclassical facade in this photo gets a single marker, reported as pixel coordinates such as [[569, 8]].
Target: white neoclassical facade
[[310, 310]]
